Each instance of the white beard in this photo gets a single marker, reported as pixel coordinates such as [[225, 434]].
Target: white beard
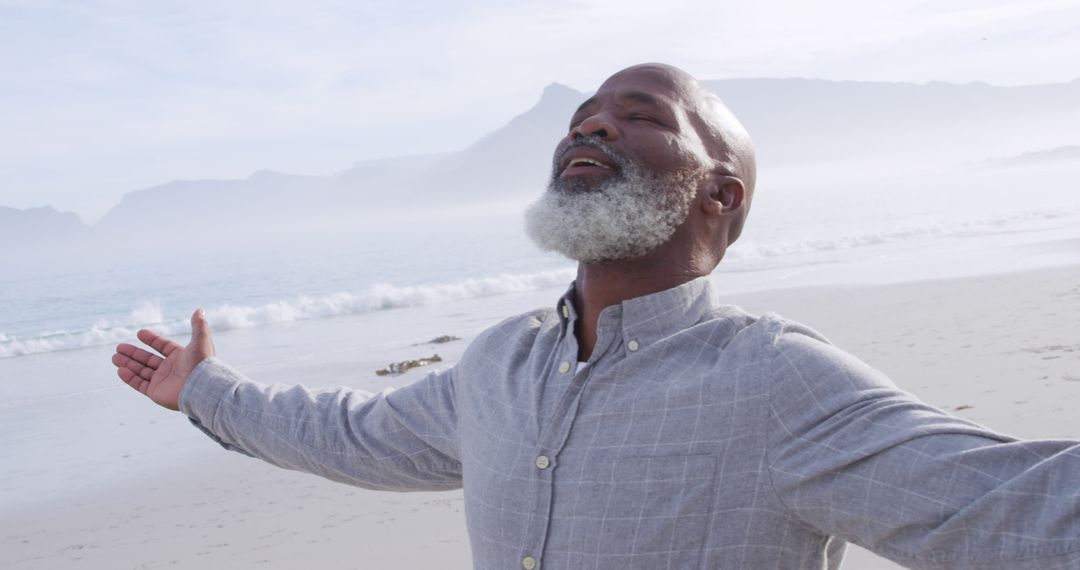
[[629, 215]]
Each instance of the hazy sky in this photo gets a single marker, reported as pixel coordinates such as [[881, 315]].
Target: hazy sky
[[98, 98]]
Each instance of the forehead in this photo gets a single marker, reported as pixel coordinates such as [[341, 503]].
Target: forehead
[[660, 83]]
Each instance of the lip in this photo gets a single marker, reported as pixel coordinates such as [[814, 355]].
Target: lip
[[604, 166]]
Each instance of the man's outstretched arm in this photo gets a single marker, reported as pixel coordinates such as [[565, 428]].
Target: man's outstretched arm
[[404, 440], [853, 456]]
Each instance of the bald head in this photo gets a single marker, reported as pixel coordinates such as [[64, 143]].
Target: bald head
[[724, 139]]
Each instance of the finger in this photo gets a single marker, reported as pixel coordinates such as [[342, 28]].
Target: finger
[[133, 380], [121, 361], [157, 342], [135, 353], [200, 332]]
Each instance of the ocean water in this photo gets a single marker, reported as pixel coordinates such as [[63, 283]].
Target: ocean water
[[389, 265], [806, 227]]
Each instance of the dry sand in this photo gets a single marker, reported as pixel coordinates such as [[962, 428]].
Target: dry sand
[[1003, 350]]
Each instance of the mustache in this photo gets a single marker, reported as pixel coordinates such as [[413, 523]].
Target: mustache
[[592, 142]]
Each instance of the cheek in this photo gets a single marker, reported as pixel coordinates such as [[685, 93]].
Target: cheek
[[684, 154], [694, 151]]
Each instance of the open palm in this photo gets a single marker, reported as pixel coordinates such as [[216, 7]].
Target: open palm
[[161, 376]]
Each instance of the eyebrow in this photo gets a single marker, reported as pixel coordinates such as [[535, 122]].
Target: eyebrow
[[639, 96]]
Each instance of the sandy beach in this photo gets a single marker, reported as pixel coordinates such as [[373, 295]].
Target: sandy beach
[[1003, 350]]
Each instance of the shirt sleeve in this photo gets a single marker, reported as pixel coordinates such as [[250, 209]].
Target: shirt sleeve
[[404, 440], [853, 456]]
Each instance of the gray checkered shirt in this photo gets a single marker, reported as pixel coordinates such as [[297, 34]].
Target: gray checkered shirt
[[697, 436]]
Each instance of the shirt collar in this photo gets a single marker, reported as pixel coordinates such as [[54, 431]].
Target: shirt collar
[[654, 316]]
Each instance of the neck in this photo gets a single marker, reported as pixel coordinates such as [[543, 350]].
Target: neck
[[603, 284]]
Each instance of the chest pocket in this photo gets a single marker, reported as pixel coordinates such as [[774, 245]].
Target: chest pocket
[[651, 511]]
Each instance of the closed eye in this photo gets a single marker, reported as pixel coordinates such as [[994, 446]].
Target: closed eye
[[637, 117]]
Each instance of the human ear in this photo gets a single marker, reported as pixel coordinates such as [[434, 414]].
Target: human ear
[[725, 195]]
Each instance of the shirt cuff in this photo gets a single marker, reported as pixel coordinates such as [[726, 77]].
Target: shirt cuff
[[203, 393]]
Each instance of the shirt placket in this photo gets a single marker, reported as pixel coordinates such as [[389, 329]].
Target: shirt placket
[[554, 435]]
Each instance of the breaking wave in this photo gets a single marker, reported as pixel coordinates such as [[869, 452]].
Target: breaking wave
[[304, 307]]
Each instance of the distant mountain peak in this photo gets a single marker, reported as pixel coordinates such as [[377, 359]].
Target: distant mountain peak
[[557, 92], [555, 88], [40, 212], [265, 173], [40, 223], [32, 210]]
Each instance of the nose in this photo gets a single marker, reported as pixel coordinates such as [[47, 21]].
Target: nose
[[596, 125]]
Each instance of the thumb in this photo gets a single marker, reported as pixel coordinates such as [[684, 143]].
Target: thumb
[[200, 332]]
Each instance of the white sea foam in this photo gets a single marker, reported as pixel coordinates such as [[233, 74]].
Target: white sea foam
[[147, 313], [375, 298], [996, 224]]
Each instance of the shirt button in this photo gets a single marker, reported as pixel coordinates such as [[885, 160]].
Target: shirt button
[[564, 367], [528, 563], [543, 462], [632, 346]]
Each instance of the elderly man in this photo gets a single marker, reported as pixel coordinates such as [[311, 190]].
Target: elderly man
[[638, 423]]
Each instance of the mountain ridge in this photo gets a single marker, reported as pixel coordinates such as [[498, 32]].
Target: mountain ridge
[[793, 121]]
